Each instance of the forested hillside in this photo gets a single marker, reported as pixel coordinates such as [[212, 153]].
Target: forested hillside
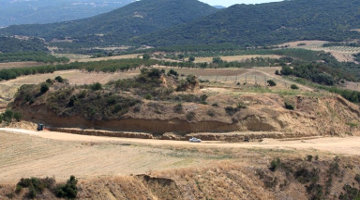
[[11, 44], [265, 24], [141, 17]]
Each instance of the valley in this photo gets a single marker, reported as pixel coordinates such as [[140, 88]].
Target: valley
[[177, 99]]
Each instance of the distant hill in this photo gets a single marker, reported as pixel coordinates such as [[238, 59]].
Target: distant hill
[[48, 11], [138, 18], [269, 23]]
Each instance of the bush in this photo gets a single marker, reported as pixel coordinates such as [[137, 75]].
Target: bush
[[289, 106], [44, 88], [17, 116], [68, 190], [357, 178], [191, 59], [8, 116], [271, 83], [146, 57], [96, 86], [172, 73], [309, 158], [190, 116], [211, 113], [178, 108], [217, 60], [294, 87], [59, 79], [35, 185], [275, 164]]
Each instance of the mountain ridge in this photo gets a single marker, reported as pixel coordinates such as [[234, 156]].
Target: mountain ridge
[[265, 24], [140, 17], [49, 11]]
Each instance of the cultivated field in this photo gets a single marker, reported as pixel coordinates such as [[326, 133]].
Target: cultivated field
[[341, 53]]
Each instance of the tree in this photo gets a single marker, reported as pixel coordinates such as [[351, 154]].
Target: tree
[[146, 57], [96, 86], [271, 83], [181, 56], [217, 60], [191, 59], [44, 88]]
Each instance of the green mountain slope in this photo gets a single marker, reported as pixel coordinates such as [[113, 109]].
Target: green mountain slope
[[11, 45], [135, 19], [265, 24]]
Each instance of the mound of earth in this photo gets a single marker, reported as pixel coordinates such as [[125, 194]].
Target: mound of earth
[[157, 102]]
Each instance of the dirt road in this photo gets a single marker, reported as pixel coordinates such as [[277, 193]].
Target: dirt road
[[336, 145], [25, 153]]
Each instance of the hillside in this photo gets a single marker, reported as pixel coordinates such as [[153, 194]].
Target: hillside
[[11, 45], [157, 103], [136, 19], [267, 24], [49, 11]]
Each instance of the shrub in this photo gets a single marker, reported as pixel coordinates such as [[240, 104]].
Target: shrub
[[275, 164], [96, 86], [211, 113], [294, 87], [178, 108], [17, 116], [271, 83], [68, 190], [230, 110], [146, 57], [217, 60], [59, 79], [191, 59], [35, 185], [190, 116], [289, 106], [309, 158], [8, 116], [173, 73], [215, 105], [44, 88], [148, 96]]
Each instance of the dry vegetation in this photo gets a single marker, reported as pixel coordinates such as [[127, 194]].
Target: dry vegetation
[[113, 168]]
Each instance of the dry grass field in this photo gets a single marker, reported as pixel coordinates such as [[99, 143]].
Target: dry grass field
[[19, 65], [25, 156]]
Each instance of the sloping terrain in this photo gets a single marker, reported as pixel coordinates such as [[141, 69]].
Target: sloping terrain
[[267, 24], [157, 103], [118, 169], [138, 18]]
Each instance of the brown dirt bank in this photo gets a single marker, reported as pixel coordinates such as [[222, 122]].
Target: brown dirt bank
[[294, 178], [312, 116]]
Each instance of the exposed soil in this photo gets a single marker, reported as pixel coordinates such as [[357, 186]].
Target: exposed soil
[[175, 169]]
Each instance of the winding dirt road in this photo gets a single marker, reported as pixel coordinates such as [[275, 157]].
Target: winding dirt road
[[336, 145]]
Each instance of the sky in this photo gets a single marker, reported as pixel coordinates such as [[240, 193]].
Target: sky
[[232, 2]]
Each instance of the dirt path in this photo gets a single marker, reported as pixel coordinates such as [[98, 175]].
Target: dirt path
[[336, 145]]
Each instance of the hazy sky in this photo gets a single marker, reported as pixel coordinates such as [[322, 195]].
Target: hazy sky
[[232, 2]]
